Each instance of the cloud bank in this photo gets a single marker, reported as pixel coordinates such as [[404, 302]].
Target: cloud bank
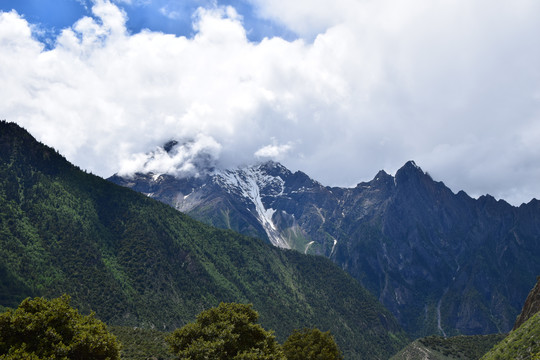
[[454, 85]]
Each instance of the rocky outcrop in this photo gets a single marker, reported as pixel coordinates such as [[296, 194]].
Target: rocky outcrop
[[531, 306]]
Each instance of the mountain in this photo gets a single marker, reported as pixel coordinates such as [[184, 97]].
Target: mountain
[[137, 262], [521, 344], [238, 199], [443, 263]]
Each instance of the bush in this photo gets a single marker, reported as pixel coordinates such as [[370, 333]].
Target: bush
[[41, 329], [311, 344], [226, 332]]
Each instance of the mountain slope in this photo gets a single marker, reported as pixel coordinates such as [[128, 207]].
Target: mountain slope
[[443, 263], [138, 262], [461, 347], [531, 306], [524, 340], [521, 344]]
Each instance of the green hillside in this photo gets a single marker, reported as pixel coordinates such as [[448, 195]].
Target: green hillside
[[521, 344], [453, 348], [138, 262]]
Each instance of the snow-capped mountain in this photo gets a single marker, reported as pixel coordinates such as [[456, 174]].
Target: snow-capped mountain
[[441, 262], [245, 199]]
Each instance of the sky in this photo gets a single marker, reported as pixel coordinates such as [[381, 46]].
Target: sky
[[338, 90]]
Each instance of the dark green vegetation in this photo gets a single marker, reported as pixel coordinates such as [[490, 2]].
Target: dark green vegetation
[[138, 262], [311, 344], [520, 344], [142, 344], [227, 332], [462, 347], [42, 329]]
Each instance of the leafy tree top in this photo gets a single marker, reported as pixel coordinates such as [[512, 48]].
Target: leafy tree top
[[52, 329], [226, 332], [311, 344]]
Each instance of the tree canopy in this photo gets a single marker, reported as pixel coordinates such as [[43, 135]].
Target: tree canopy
[[311, 344], [226, 332], [51, 329]]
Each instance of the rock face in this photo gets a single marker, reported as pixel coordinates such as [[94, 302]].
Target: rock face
[[531, 306], [443, 263]]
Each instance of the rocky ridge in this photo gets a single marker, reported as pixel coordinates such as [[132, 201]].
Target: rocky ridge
[[443, 263]]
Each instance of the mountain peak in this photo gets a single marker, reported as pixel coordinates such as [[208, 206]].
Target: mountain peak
[[273, 168], [409, 171], [412, 166], [169, 145], [382, 175]]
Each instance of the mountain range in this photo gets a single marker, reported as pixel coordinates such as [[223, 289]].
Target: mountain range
[[140, 263], [443, 263]]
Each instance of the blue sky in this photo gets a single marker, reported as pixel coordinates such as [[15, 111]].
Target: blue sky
[[338, 90], [168, 16]]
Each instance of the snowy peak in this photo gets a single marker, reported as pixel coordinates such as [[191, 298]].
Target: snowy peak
[[273, 168], [259, 176], [252, 183]]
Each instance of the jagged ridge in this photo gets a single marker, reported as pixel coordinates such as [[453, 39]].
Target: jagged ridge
[[443, 263]]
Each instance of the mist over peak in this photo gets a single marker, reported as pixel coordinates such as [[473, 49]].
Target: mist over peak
[[190, 157]]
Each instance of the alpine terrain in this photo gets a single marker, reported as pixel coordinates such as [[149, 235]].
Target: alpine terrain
[[443, 263], [137, 262]]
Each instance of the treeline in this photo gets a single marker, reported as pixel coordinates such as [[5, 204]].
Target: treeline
[[42, 329]]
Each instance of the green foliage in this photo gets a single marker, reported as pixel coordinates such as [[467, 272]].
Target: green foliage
[[521, 344], [142, 344], [44, 329], [311, 344], [226, 332]]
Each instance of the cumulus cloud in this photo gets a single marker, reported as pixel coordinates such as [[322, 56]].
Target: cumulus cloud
[[274, 151], [367, 85]]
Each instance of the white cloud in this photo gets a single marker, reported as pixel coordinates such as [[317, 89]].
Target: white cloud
[[451, 84], [189, 158], [274, 151]]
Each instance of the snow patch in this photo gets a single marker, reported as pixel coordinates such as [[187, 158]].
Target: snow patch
[[248, 182], [333, 247], [308, 246]]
